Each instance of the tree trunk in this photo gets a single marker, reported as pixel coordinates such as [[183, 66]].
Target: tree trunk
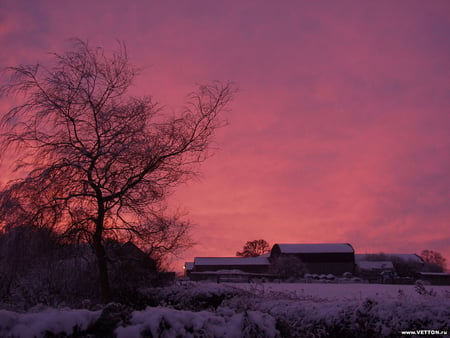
[[102, 266]]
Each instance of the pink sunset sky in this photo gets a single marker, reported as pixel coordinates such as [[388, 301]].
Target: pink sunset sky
[[340, 131]]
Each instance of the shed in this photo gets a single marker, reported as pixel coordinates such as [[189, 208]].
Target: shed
[[376, 271], [188, 266], [405, 257], [435, 278], [406, 265], [320, 258], [246, 264]]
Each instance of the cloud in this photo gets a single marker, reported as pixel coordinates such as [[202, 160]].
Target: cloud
[[339, 131]]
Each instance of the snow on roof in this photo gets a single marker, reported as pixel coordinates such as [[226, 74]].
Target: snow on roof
[[441, 274], [231, 261], [405, 257], [316, 248], [224, 272], [375, 265]]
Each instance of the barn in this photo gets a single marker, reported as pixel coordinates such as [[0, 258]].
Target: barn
[[435, 278], [258, 264], [405, 265], [229, 267], [321, 258]]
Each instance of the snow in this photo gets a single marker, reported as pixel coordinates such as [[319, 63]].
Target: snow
[[405, 257], [226, 272], [315, 248], [256, 310], [442, 274], [376, 265], [231, 261], [340, 292], [176, 323], [29, 325]]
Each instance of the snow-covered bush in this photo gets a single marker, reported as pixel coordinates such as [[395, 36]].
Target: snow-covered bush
[[277, 310], [422, 290], [193, 296], [46, 323], [164, 322]]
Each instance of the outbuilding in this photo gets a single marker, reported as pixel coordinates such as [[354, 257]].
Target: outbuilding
[[321, 258], [238, 269]]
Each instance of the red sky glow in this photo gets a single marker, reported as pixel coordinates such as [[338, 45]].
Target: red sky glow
[[340, 131]]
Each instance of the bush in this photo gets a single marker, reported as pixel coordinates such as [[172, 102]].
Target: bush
[[288, 267]]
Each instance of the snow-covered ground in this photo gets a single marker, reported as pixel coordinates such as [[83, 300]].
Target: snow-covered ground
[[251, 310], [349, 291]]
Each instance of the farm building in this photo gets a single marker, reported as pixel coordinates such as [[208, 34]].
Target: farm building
[[258, 264], [405, 265], [188, 266], [376, 271], [229, 267], [324, 258], [406, 258], [435, 278], [318, 259]]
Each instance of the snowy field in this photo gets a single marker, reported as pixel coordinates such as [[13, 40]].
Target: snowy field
[[250, 310], [341, 292]]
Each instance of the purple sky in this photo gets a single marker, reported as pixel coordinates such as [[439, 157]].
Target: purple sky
[[340, 131]]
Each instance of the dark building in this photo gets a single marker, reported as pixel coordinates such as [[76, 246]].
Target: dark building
[[229, 268], [258, 264], [325, 258], [435, 278], [317, 258], [405, 265], [188, 266], [376, 271], [128, 254]]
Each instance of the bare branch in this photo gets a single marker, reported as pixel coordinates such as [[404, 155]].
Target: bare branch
[[102, 163]]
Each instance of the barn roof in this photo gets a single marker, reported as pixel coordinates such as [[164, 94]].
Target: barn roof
[[439, 274], [375, 265], [404, 257], [231, 261], [315, 248]]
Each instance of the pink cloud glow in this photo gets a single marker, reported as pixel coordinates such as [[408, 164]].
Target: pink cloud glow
[[340, 130]]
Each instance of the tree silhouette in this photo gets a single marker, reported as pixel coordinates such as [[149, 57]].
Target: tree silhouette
[[254, 248], [434, 261], [101, 163]]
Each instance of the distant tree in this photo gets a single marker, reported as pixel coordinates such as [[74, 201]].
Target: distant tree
[[100, 163], [434, 261], [254, 248]]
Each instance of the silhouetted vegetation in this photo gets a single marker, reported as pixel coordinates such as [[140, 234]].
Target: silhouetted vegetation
[[38, 267], [434, 261], [254, 248], [100, 163], [288, 267]]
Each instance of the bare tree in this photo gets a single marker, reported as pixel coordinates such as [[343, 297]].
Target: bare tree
[[254, 248], [101, 163]]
